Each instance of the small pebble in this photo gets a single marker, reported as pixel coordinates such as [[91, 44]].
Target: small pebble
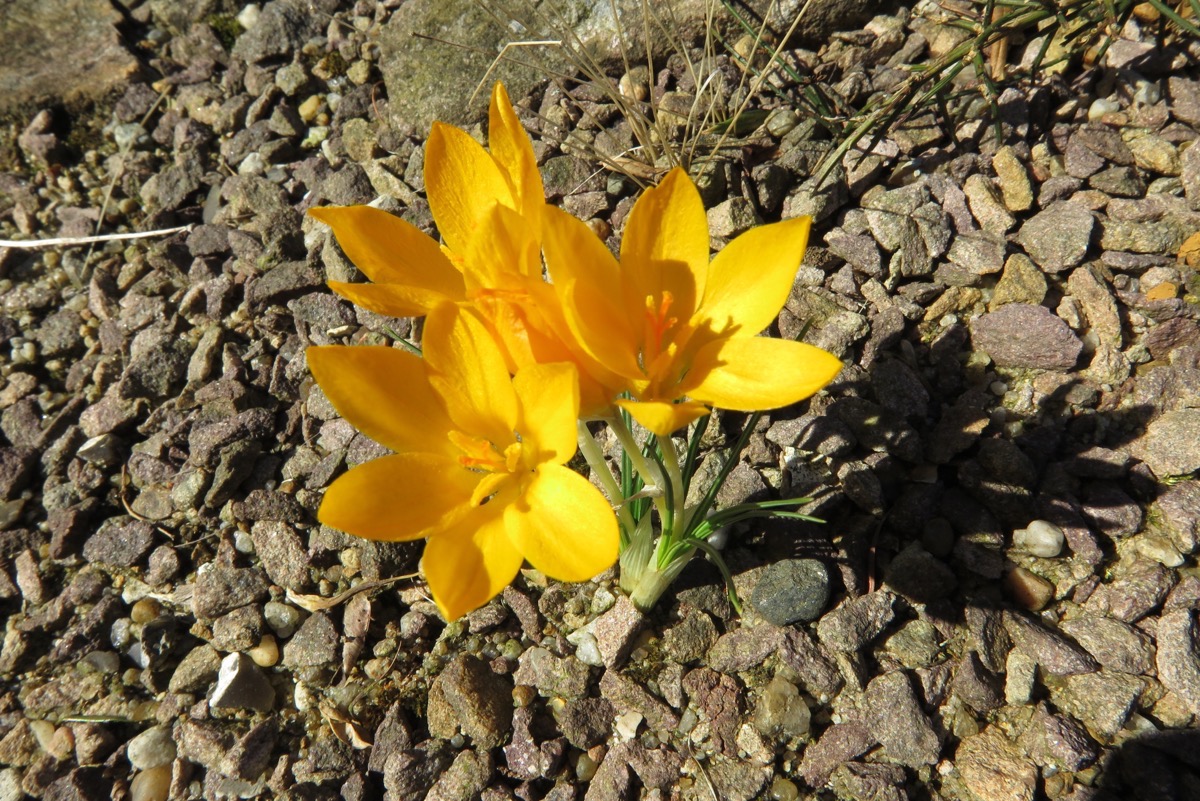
[[585, 768], [151, 785], [1039, 538], [145, 610], [282, 619], [1028, 590], [266, 653], [151, 749], [1160, 550]]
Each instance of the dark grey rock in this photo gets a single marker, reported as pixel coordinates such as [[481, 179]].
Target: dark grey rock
[[687, 641], [855, 622], [793, 590], [1026, 336], [282, 28], [839, 743], [408, 774], [1115, 645], [284, 557], [1136, 590], [1178, 515], [897, 721], [1058, 236], [222, 589], [467, 777], [563, 677], [91, 59], [314, 644], [585, 722], [196, 671], [242, 685], [720, 703], [616, 631], [919, 576], [977, 687], [468, 696], [240, 629], [1178, 658], [1171, 444], [119, 541], [1053, 653]]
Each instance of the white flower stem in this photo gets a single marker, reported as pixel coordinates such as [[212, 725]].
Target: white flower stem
[[649, 472], [595, 459]]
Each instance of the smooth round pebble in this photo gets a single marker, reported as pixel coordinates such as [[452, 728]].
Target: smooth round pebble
[[151, 785], [794, 590], [266, 653], [145, 610], [282, 618], [151, 749], [585, 768], [1039, 538], [1160, 550]]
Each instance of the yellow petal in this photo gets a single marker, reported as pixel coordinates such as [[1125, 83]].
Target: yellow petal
[[549, 398], [510, 146], [393, 300], [470, 562], [385, 393], [750, 374], [389, 250], [470, 373], [750, 279], [462, 183], [503, 254], [563, 525], [401, 497], [588, 280], [665, 246], [662, 417]]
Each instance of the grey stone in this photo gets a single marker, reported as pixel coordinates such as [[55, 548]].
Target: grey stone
[[687, 641], [898, 722], [467, 777], [1105, 142], [1102, 701], [1014, 179], [314, 644], [1114, 644], [616, 630], [976, 686], [120, 541], [585, 722], [151, 748], [839, 743], [90, 60], [1054, 653], [743, 648], [408, 774], [793, 590], [223, 589], [919, 576], [468, 696], [1118, 182], [1060, 741], [280, 30], [992, 768], [238, 630], [242, 685], [1178, 658], [855, 622], [283, 556], [563, 677], [1026, 336], [196, 671], [1135, 590], [1110, 510], [1178, 515], [1057, 237], [1171, 444]]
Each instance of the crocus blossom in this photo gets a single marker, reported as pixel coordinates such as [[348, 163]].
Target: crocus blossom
[[479, 463], [488, 207], [677, 330]]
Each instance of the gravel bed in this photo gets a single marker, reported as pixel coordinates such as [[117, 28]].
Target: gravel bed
[[1002, 604]]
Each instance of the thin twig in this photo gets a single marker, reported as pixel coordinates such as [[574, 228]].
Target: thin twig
[[73, 241]]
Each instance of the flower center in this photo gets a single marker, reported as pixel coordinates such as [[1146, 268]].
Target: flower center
[[658, 325], [483, 455]]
